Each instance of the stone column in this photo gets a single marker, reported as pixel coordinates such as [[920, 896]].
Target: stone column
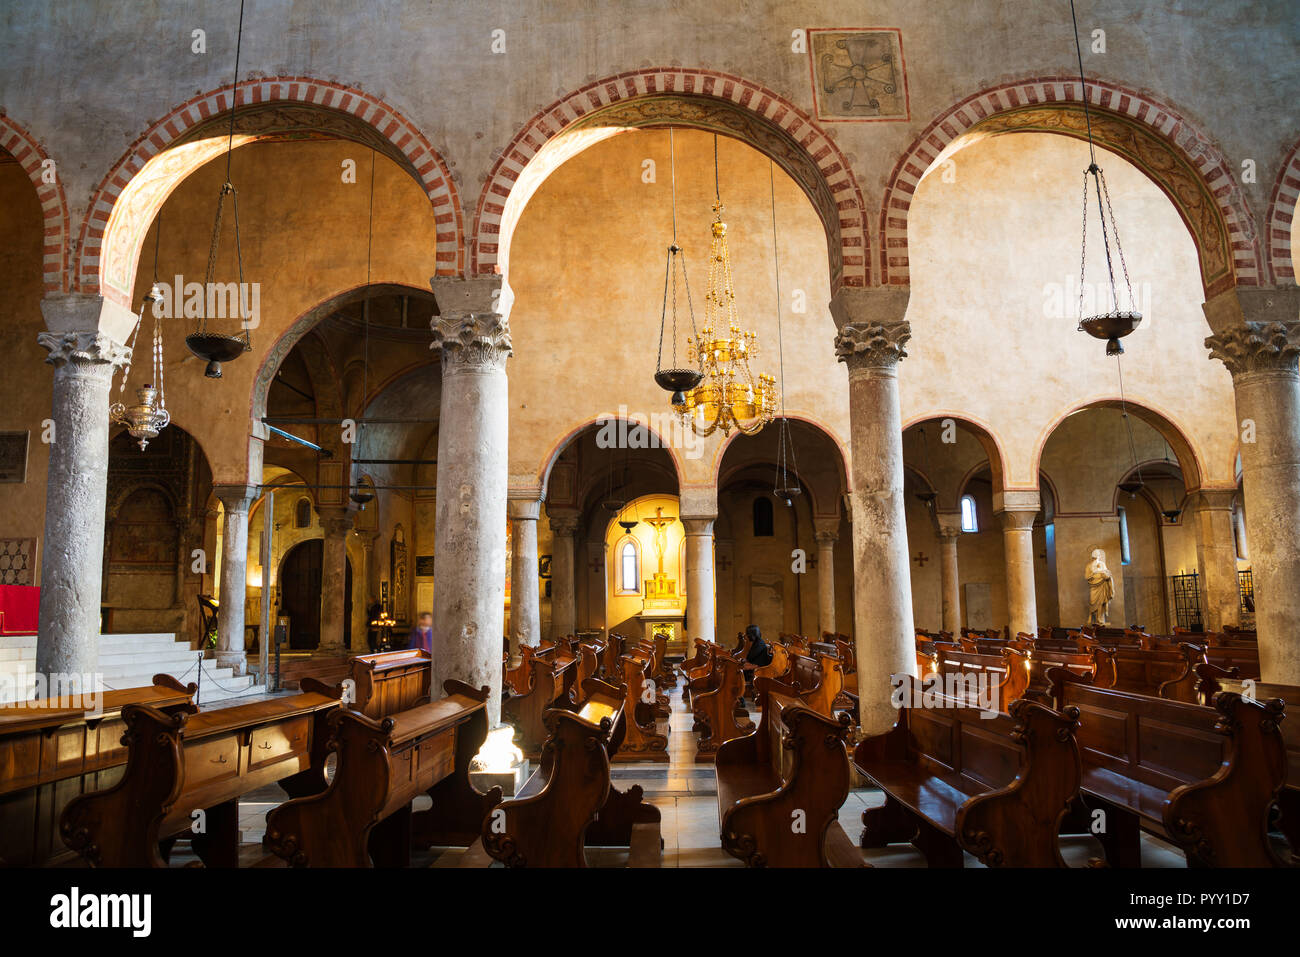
[[1016, 512], [1239, 531], [1260, 350], [700, 600], [235, 500], [1216, 556], [827, 532], [84, 357], [525, 600], [949, 578], [563, 576], [871, 340], [336, 522], [472, 331]]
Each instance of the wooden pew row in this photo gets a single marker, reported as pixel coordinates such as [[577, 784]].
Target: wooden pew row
[[390, 681], [1007, 672], [1212, 679], [1201, 778], [642, 740], [520, 679], [364, 816], [190, 760], [52, 751], [568, 803], [957, 779], [551, 682], [715, 709], [793, 763]]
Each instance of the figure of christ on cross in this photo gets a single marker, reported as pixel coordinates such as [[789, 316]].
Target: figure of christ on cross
[[660, 522]]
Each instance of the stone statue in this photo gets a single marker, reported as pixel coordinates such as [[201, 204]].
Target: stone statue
[[1102, 588]]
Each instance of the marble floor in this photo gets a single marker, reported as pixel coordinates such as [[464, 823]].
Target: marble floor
[[686, 795]]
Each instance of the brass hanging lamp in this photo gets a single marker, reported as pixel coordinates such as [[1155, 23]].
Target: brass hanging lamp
[[786, 486], [149, 415], [730, 395], [675, 379], [217, 347], [362, 495]]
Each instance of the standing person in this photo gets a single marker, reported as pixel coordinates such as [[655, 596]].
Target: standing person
[[421, 635]]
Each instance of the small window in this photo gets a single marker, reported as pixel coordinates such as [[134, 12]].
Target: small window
[[1124, 556], [762, 518], [302, 513], [969, 520], [629, 575]]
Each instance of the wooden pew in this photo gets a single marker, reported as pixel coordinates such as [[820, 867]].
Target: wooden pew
[[589, 656], [818, 682], [568, 803], [1243, 657], [1211, 679], [642, 740], [1097, 663], [1160, 672], [551, 682], [956, 779], [664, 674], [715, 710], [54, 750], [1202, 778], [778, 666], [390, 681], [520, 679], [365, 815], [795, 761], [190, 760], [1007, 671]]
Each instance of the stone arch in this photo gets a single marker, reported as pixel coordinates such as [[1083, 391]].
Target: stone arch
[[677, 96], [130, 195], [31, 156], [1190, 460], [1171, 151], [985, 434], [824, 505], [558, 447], [1281, 214]]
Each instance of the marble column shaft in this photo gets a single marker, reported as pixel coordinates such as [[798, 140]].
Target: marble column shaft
[[871, 340], [700, 597], [1216, 555], [1262, 358], [950, 578], [75, 500], [525, 600], [826, 537], [473, 443], [235, 500], [563, 576], [1018, 546], [333, 580]]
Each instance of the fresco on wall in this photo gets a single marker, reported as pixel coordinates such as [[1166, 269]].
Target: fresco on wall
[[858, 74]]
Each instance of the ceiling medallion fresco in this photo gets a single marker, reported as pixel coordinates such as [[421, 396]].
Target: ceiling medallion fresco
[[858, 75]]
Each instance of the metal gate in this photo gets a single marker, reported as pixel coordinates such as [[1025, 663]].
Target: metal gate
[[1187, 601], [1246, 588]]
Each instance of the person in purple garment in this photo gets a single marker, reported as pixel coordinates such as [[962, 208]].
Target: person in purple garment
[[421, 635]]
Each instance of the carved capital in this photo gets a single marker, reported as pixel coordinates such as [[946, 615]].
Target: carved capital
[[873, 345], [826, 539], [1257, 347], [1020, 519], [564, 525], [83, 349], [472, 342], [336, 523], [235, 498]]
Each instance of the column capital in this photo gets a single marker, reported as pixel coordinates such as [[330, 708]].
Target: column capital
[[1016, 519], [872, 345], [83, 349], [1215, 499], [563, 523], [826, 530], [949, 534], [472, 342], [236, 498], [1017, 500], [472, 295], [79, 312], [1243, 305], [523, 509], [1257, 347], [699, 524]]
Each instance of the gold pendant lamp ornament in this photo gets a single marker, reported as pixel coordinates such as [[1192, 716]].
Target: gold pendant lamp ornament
[[149, 415], [675, 380], [730, 395]]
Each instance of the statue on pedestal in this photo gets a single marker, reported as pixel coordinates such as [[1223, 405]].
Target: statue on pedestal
[[1101, 588]]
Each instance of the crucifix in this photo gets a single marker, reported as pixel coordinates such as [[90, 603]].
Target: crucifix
[[660, 522], [920, 559]]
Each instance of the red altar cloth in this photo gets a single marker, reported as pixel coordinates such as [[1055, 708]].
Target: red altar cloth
[[19, 606]]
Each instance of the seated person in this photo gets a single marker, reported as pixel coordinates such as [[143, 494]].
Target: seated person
[[421, 635], [760, 655]]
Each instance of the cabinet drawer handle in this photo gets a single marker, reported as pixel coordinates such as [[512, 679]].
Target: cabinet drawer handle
[[219, 759], [265, 747]]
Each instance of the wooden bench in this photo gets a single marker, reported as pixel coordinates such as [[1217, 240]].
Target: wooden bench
[[1243, 657], [956, 779], [568, 803], [715, 709], [520, 678], [781, 787], [1211, 679], [551, 682], [818, 682], [1202, 778], [641, 740], [1007, 671], [190, 760], [390, 681], [1098, 663], [365, 814], [1159, 672], [54, 750]]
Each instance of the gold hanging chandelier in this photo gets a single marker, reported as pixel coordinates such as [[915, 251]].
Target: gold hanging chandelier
[[730, 395]]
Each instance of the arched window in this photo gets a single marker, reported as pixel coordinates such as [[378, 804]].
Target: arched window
[[627, 569], [302, 513], [969, 520], [762, 517]]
